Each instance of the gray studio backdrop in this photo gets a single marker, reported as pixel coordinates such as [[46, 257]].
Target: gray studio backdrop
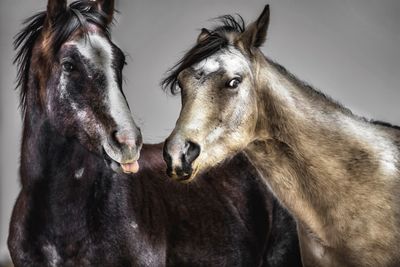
[[350, 49]]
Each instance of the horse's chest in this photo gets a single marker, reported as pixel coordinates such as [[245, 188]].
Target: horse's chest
[[80, 254]]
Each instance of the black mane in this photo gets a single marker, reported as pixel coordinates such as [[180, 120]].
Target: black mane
[[385, 124], [217, 40], [77, 16]]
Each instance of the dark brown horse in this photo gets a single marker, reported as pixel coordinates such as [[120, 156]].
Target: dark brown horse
[[80, 204], [337, 173]]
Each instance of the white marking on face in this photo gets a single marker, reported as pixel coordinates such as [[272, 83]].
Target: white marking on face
[[63, 86], [63, 92], [79, 173], [82, 115], [85, 120], [231, 59], [234, 62], [207, 66], [98, 50]]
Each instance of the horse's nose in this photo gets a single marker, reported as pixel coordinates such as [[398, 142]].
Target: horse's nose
[[191, 152], [131, 139], [179, 157]]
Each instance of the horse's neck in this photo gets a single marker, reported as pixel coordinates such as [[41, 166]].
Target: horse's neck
[[44, 152], [65, 182], [312, 151]]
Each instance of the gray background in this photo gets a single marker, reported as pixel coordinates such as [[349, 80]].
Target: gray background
[[350, 49]]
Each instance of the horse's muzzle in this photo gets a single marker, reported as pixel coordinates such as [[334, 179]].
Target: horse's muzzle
[[179, 157], [124, 147]]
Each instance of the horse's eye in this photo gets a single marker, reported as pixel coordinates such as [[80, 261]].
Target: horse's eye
[[67, 66], [234, 83]]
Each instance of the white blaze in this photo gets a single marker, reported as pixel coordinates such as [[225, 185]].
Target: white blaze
[[208, 65], [97, 49]]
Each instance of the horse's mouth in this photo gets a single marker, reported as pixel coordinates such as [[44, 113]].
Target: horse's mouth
[[186, 178], [128, 166]]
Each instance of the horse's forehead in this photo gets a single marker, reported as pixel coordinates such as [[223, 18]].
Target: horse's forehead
[[96, 48], [230, 59], [208, 65], [234, 61]]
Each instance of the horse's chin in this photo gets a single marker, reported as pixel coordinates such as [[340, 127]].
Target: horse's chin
[[115, 166], [127, 167], [186, 179], [130, 167]]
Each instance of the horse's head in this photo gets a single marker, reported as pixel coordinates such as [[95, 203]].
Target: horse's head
[[217, 79], [71, 74]]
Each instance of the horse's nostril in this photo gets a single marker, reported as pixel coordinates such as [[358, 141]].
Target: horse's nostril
[[179, 156], [125, 138], [167, 156], [192, 151]]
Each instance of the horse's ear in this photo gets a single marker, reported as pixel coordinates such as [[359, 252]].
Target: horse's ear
[[55, 8], [204, 34], [256, 32], [107, 7]]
